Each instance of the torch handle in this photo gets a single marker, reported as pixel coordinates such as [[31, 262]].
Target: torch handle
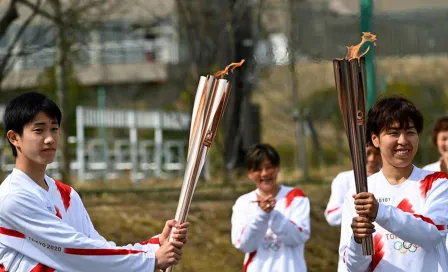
[[367, 246], [199, 149], [351, 97]]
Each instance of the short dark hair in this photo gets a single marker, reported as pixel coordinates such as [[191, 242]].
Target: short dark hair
[[22, 109], [389, 110], [260, 152], [369, 144], [441, 125]]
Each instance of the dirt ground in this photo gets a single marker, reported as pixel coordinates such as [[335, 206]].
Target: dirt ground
[[127, 217]]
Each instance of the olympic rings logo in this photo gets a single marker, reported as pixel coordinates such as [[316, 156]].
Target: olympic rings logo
[[270, 243], [271, 246], [405, 247]]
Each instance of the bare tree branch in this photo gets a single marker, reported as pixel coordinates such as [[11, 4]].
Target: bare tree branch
[[42, 12], [76, 19], [14, 42], [8, 18]]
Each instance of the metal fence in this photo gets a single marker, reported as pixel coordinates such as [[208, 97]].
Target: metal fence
[[133, 157]]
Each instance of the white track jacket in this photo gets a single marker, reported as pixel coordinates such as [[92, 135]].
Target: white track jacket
[[273, 242], [411, 225], [46, 231], [340, 186]]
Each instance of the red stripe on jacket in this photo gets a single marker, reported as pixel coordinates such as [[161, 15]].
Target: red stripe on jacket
[[426, 183], [333, 210], [378, 245], [42, 268], [249, 260], [11, 232], [152, 241], [65, 191], [100, 251], [293, 194]]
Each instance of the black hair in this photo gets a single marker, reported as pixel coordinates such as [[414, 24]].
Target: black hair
[[22, 109], [389, 110], [260, 152]]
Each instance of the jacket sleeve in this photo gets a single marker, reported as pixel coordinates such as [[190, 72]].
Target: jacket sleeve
[[333, 212], [248, 233], [428, 229], [295, 230], [349, 250], [150, 245], [32, 230]]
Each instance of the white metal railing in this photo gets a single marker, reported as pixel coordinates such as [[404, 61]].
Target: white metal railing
[[139, 157], [118, 160]]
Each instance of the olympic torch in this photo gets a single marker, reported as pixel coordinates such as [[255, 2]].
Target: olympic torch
[[350, 78], [210, 102]]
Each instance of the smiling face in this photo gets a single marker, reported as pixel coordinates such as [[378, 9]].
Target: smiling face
[[397, 145], [265, 177], [38, 142]]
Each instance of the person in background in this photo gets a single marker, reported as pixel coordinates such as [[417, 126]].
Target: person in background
[[342, 184], [440, 140], [272, 223]]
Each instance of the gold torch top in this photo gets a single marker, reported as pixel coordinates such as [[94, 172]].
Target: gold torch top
[[353, 51], [232, 66]]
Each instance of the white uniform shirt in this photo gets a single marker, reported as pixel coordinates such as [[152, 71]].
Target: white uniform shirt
[[435, 167], [411, 225], [275, 241], [51, 231], [340, 186]]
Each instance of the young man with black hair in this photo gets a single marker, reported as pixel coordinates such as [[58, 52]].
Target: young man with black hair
[[43, 223], [406, 208], [272, 223]]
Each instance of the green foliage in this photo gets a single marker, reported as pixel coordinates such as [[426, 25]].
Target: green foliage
[[431, 101], [332, 155], [322, 106], [216, 155], [287, 155]]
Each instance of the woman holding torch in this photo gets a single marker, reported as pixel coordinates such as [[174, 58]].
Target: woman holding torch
[[406, 208]]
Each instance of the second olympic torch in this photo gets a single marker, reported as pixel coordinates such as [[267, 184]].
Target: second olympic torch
[[350, 78]]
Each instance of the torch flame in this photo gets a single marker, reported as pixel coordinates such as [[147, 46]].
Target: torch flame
[[231, 66], [353, 51]]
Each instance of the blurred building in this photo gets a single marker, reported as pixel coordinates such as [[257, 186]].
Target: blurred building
[[129, 51], [134, 48], [123, 54]]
